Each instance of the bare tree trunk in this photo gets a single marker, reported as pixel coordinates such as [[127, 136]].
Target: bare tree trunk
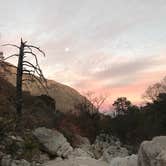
[[19, 98], [33, 72]]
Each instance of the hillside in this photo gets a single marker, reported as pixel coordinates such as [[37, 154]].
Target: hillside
[[37, 110], [42, 110], [66, 98]]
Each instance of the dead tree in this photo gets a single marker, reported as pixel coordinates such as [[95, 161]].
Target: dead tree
[[31, 71], [96, 102]]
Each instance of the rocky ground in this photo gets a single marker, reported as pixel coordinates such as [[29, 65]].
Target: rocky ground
[[78, 161], [51, 148]]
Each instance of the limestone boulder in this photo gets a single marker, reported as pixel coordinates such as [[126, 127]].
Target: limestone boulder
[[153, 153], [102, 142], [114, 151], [53, 142]]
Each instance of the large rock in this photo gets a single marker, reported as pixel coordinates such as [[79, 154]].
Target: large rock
[[153, 153], [124, 161], [108, 147], [53, 142], [83, 145], [114, 151], [102, 142]]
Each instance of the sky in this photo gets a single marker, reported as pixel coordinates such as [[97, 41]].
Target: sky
[[111, 47]]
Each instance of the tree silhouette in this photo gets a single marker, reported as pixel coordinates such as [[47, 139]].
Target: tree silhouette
[[122, 105], [96, 101], [32, 71], [152, 92]]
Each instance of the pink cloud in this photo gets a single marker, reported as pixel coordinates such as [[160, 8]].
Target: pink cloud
[[133, 91]]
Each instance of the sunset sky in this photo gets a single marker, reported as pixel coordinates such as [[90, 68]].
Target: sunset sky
[[112, 47]]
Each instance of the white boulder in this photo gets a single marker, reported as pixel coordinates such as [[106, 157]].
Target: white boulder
[[153, 153], [102, 142], [53, 142]]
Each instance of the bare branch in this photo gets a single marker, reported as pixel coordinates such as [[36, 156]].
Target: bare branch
[[27, 52], [11, 45], [37, 48], [28, 71], [40, 80], [11, 56], [29, 48], [36, 69], [26, 63]]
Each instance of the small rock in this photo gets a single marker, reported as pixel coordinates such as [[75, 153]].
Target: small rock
[[20, 163], [78, 152], [44, 158], [16, 138]]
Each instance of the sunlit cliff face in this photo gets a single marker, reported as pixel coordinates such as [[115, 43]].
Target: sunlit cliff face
[[112, 47]]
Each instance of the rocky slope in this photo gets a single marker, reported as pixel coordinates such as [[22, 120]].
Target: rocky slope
[[53, 149], [66, 97], [37, 110]]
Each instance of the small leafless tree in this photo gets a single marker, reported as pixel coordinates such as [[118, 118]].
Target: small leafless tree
[[153, 91], [96, 102], [32, 71]]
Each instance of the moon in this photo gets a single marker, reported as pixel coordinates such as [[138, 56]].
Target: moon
[[67, 49]]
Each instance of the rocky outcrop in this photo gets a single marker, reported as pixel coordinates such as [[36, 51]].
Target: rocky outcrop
[[102, 142], [66, 97], [56, 145], [83, 145], [124, 161], [107, 147], [53, 142], [153, 153], [114, 151]]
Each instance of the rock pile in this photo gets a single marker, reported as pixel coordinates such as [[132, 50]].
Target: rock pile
[[7, 161], [106, 151], [108, 147]]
